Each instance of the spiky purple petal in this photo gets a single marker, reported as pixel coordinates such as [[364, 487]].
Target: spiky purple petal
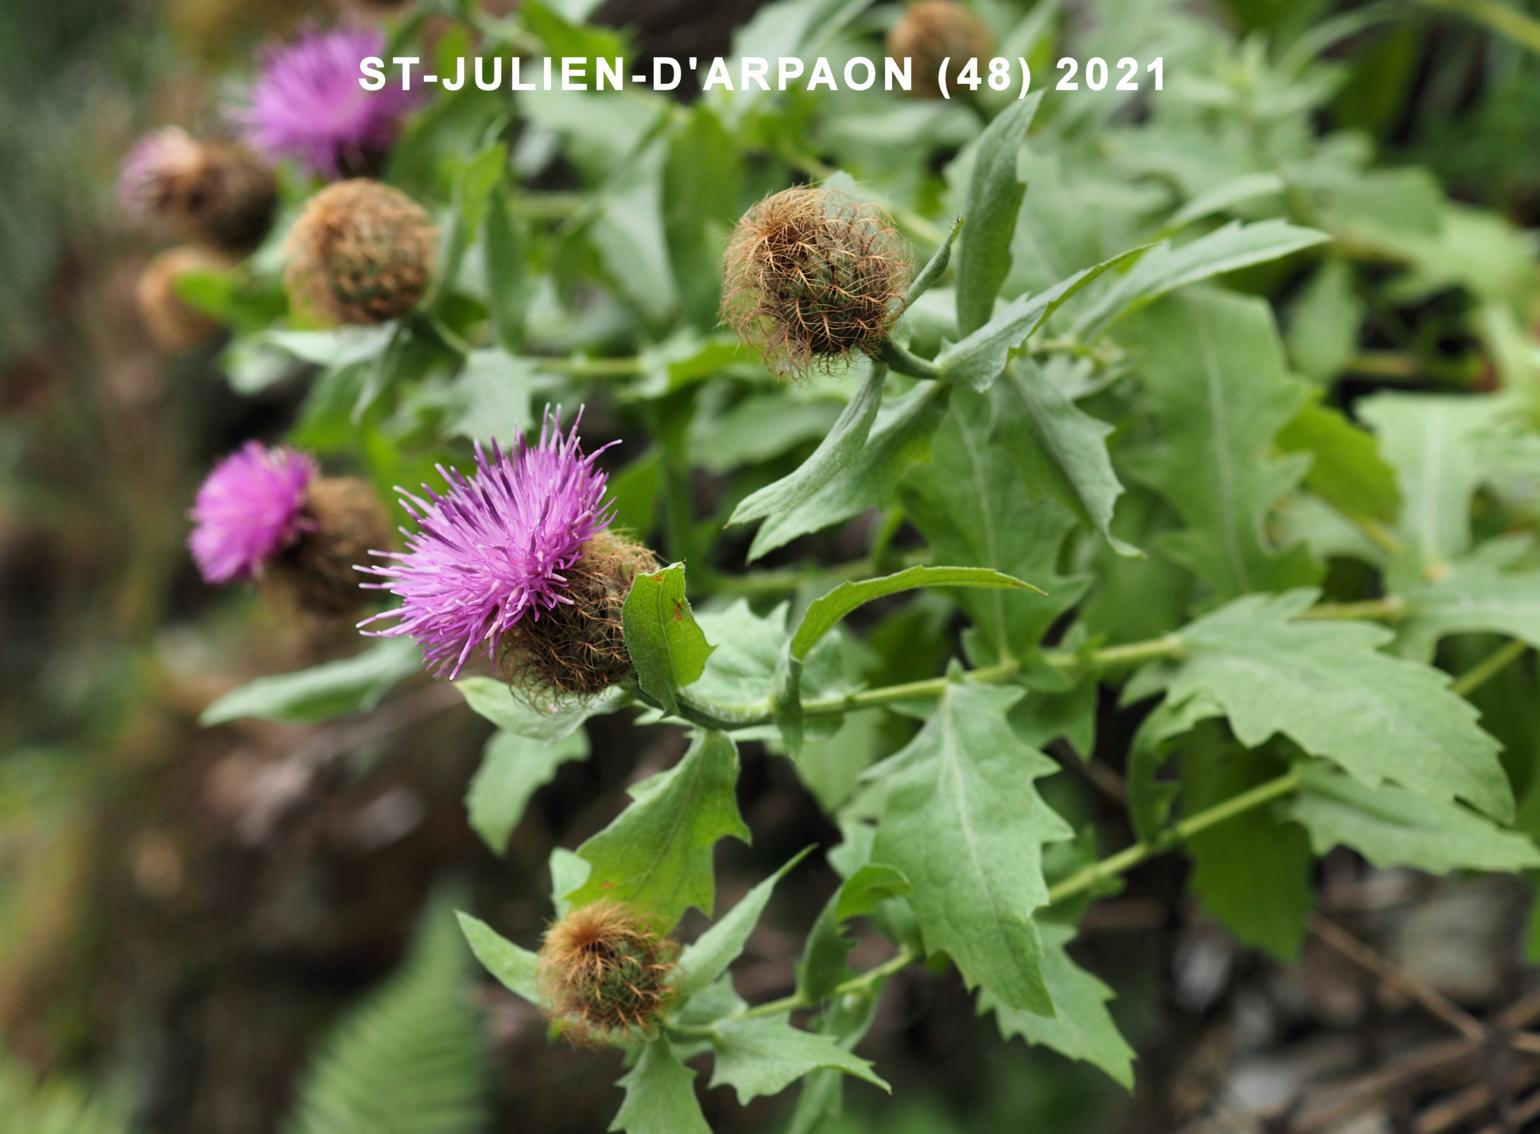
[[492, 549], [250, 507], [307, 103]]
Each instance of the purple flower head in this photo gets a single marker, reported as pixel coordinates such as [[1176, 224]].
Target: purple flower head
[[307, 103], [492, 549], [152, 160], [251, 507]]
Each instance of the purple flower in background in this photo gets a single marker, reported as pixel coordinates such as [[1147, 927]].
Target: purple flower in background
[[492, 549], [307, 103], [249, 509], [154, 159]]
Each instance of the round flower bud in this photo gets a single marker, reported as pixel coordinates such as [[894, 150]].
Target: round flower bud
[[211, 191], [173, 323], [812, 275], [604, 974], [578, 648], [314, 576], [514, 561], [933, 31], [360, 253]]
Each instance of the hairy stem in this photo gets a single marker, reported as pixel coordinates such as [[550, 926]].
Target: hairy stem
[[901, 361]]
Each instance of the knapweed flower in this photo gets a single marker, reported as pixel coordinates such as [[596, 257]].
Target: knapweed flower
[[934, 31], [515, 560], [250, 508], [812, 275], [174, 324], [361, 253], [213, 191], [604, 974], [307, 104]]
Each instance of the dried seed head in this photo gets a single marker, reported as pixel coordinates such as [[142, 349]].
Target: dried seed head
[[936, 30], [172, 322], [314, 577], [604, 974], [578, 648], [361, 253], [812, 275], [211, 191]]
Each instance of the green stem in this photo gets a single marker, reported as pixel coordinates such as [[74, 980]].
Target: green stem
[[1489, 667], [899, 359], [624, 367], [1500, 18], [861, 982], [1387, 609]]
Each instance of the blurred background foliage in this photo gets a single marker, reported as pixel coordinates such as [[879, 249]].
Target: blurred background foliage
[[189, 919]]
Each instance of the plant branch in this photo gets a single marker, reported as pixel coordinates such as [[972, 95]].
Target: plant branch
[[902, 361], [1488, 668]]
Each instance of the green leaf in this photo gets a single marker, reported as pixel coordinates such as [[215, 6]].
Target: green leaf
[[1393, 827], [978, 358], [1166, 268], [826, 611], [514, 967], [657, 854], [708, 956], [1081, 1027], [667, 647], [822, 966], [1346, 469], [1214, 371], [512, 768], [1327, 687], [333, 689], [899, 438], [1323, 326], [1476, 596], [510, 288], [837, 452], [495, 701], [412, 1058], [1434, 442], [660, 1096], [964, 823], [765, 1056], [930, 275], [490, 398], [995, 192], [1059, 445]]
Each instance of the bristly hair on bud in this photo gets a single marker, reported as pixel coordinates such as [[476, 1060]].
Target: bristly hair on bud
[[362, 252], [307, 104], [249, 508], [173, 323], [812, 275], [933, 31], [212, 191], [496, 549], [605, 974]]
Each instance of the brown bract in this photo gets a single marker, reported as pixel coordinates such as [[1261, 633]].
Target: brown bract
[[812, 275], [315, 577], [172, 322], [605, 974], [578, 648], [361, 253], [216, 192], [936, 30]]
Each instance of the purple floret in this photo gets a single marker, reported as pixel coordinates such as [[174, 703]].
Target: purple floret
[[251, 507], [156, 156], [492, 549], [308, 105]]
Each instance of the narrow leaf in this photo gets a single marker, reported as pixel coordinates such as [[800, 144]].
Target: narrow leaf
[[765, 1056], [513, 966], [334, 689], [709, 955], [668, 648], [995, 192], [512, 768]]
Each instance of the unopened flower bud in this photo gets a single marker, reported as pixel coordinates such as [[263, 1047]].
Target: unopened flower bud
[[811, 276], [604, 974], [361, 253], [934, 31], [315, 576], [213, 191], [172, 322]]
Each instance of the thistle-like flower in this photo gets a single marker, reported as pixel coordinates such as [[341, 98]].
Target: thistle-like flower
[[936, 30], [307, 104], [362, 252], [604, 974], [171, 321], [515, 560], [213, 191], [249, 509], [812, 275]]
